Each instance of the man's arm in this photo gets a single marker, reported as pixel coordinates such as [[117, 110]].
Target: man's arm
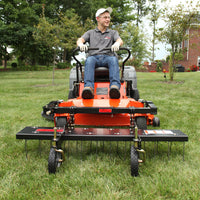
[[120, 41], [80, 43], [117, 44]]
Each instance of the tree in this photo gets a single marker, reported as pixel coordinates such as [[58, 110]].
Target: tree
[[155, 13], [60, 36], [141, 10], [177, 21], [19, 18], [122, 11], [135, 40], [70, 28]]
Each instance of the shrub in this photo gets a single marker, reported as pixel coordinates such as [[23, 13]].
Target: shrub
[[62, 65], [14, 65], [194, 68], [188, 70], [159, 66]]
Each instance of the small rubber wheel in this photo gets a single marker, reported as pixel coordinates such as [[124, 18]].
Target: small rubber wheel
[[141, 122], [52, 161], [61, 122], [134, 162], [156, 121]]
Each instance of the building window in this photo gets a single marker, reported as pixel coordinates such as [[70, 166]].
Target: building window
[[186, 42], [198, 61]]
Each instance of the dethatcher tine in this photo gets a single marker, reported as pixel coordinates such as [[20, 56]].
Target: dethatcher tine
[[101, 118]]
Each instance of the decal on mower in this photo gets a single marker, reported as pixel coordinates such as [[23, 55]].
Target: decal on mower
[[104, 110], [158, 132], [49, 130]]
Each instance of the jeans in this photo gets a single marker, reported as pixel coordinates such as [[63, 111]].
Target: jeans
[[101, 61]]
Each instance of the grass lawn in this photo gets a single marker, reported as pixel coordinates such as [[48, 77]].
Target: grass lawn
[[97, 172]]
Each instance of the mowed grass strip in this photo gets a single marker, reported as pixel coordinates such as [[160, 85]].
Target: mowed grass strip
[[100, 170]]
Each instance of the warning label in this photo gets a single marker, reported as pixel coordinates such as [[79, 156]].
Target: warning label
[[158, 132]]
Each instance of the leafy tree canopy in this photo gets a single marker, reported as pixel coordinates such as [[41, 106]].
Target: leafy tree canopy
[[136, 41]]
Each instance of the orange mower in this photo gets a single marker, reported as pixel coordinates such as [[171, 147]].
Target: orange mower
[[101, 118]]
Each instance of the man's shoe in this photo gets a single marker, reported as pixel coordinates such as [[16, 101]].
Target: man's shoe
[[87, 93], [114, 92]]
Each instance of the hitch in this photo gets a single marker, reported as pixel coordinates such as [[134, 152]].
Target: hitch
[[137, 146]]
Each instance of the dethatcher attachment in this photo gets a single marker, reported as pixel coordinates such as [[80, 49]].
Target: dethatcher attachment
[[101, 118]]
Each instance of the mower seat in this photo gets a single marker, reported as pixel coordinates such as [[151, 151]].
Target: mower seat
[[101, 74]]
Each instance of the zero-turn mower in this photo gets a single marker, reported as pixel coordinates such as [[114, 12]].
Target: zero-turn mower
[[101, 118]]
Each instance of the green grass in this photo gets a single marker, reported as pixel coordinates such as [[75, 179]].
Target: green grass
[[98, 172]]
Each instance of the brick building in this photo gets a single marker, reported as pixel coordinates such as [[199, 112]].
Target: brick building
[[192, 47]]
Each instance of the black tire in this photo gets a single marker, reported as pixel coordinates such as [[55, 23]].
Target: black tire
[[52, 161], [156, 121], [61, 122], [135, 94], [141, 123], [71, 95], [134, 162]]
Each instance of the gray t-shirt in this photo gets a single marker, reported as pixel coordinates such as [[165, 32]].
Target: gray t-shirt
[[97, 39]]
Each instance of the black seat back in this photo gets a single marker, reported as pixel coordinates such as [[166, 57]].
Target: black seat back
[[101, 74]]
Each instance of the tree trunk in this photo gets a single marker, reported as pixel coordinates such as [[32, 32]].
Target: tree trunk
[[5, 63], [64, 55], [170, 69], [153, 42], [171, 66], [5, 57], [68, 55]]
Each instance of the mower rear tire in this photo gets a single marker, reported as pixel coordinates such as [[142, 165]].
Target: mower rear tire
[[135, 94], [134, 162], [71, 95], [141, 123]]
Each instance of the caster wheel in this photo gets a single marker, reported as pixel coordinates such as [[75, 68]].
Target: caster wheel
[[134, 162], [53, 161]]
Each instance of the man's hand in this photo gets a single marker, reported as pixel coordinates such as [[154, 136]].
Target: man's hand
[[83, 47], [115, 46]]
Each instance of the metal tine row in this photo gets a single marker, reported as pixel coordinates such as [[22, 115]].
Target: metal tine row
[[90, 147], [169, 149], [121, 148]]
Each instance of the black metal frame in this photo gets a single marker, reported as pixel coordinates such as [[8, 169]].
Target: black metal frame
[[150, 108], [31, 133]]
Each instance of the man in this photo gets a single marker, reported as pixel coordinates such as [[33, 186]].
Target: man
[[101, 38]]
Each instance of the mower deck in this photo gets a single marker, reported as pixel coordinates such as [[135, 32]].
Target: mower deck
[[100, 134]]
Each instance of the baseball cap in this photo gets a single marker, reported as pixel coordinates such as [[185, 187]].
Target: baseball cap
[[102, 10]]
